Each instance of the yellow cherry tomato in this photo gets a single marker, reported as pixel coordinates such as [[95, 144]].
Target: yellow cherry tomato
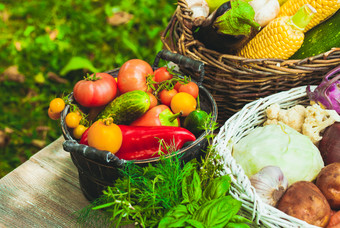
[[104, 135], [72, 119], [53, 115], [57, 105], [78, 131], [183, 102]]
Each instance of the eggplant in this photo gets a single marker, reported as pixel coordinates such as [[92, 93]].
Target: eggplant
[[211, 34]]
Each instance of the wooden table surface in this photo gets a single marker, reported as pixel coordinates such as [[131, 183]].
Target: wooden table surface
[[42, 192]]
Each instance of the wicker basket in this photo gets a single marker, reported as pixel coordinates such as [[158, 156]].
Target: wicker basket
[[235, 128], [235, 81]]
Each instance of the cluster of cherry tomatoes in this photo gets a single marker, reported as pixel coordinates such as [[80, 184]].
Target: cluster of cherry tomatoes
[[74, 119], [179, 96], [161, 84], [97, 90]]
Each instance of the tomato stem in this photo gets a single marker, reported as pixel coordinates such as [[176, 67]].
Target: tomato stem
[[84, 120], [92, 77], [170, 84], [108, 121], [75, 108], [150, 82]]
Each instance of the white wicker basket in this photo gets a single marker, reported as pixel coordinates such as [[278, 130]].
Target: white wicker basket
[[235, 128]]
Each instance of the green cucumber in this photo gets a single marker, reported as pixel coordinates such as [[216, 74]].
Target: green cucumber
[[321, 38], [195, 122], [127, 107]]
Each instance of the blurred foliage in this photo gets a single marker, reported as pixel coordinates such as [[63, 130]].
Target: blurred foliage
[[53, 44]]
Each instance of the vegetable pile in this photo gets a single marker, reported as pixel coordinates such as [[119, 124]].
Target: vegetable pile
[[266, 28], [146, 113], [138, 115], [293, 158]]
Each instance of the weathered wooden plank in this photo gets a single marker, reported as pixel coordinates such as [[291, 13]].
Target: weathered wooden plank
[[42, 192]]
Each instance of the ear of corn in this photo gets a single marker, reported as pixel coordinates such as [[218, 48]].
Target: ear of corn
[[281, 2], [324, 9], [281, 38]]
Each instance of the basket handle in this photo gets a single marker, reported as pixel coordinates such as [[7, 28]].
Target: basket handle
[[181, 60], [101, 156]]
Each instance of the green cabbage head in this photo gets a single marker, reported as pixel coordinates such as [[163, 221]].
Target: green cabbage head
[[282, 146]]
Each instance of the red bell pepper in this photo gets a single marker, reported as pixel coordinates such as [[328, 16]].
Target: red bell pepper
[[144, 142], [160, 115], [83, 139]]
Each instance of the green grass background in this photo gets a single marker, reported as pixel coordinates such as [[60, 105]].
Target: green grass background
[[63, 37]]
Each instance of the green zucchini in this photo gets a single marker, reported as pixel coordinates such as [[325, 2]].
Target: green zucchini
[[127, 107], [321, 38]]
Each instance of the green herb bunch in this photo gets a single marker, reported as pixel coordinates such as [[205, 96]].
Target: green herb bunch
[[143, 195], [170, 193], [209, 207]]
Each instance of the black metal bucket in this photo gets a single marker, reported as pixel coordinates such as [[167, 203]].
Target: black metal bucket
[[98, 169]]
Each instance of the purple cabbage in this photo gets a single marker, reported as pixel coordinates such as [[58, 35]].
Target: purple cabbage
[[328, 92]]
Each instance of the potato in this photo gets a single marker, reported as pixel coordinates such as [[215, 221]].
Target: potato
[[328, 181], [329, 145], [303, 200]]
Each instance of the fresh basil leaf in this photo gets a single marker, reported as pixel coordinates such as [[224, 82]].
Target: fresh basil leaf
[[192, 207], [195, 223], [217, 188], [176, 217], [191, 188], [236, 225], [239, 219], [218, 212]]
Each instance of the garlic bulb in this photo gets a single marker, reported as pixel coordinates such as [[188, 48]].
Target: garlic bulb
[[265, 10], [200, 11], [270, 184]]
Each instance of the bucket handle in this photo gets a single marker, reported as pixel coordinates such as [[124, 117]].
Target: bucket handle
[[92, 153], [181, 60]]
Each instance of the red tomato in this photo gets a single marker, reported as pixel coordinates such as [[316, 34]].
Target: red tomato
[[191, 88], [95, 92], [177, 85], [132, 75], [166, 95], [153, 100], [162, 74]]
